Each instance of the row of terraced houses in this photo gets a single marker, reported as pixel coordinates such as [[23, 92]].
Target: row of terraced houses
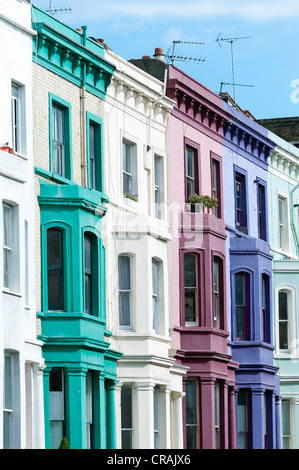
[[149, 253]]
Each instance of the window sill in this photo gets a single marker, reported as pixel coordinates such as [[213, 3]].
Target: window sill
[[10, 292], [52, 176]]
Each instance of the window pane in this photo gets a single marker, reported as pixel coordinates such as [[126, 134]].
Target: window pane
[[8, 382], [56, 376], [191, 414], [190, 270], [55, 269], [54, 249], [283, 336], [155, 294], [285, 404], [242, 411], [240, 289], [58, 140], [54, 289], [191, 405], [92, 156], [124, 272], [88, 273], [127, 417], [283, 305]]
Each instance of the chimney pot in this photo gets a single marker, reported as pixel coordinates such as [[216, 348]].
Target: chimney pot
[[159, 54], [146, 57]]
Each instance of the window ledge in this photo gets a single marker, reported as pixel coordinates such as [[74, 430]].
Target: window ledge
[[10, 292], [52, 176]]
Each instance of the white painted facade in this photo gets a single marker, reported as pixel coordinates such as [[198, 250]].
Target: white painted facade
[[149, 392], [21, 363]]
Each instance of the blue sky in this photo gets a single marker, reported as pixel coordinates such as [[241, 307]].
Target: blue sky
[[268, 61]]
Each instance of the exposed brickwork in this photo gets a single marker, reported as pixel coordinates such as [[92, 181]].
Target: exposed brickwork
[[286, 128]]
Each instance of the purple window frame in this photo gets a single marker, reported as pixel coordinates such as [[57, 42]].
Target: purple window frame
[[196, 165], [261, 209], [245, 307], [217, 212]]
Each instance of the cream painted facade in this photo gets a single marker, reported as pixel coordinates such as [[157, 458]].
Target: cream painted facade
[[21, 363], [149, 392]]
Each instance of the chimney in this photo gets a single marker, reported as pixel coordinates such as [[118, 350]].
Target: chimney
[[159, 54]]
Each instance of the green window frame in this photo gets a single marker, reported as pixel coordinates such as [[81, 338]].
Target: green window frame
[[94, 144], [60, 139]]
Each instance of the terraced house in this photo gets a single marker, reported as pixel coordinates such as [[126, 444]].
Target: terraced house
[[21, 362], [249, 279], [283, 202], [198, 259], [137, 227], [70, 79]]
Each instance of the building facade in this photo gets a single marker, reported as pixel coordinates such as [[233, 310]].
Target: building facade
[[137, 229], [198, 259], [21, 362], [249, 280], [283, 213], [71, 77]]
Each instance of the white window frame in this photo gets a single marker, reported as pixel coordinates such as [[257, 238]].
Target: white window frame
[[132, 172], [190, 172], [18, 120], [159, 185], [11, 278], [131, 429], [11, 431], [157, 424], [291, 423], [129, 291], [283, 222], [157, 294], [292, 301]]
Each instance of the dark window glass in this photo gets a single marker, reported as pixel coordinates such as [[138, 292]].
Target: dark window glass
[[55, 269]]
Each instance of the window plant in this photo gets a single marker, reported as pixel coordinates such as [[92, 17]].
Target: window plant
[[133, 197], [205, 200]]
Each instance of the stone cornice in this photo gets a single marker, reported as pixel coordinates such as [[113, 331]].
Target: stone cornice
[[284, 162], [247, 140], [197, 107], [139, 97], [71, 60]]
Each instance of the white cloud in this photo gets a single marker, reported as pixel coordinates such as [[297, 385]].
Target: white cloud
[[250, 10]]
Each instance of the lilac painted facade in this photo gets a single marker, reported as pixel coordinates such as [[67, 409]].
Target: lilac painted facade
[[249, 281], [199, 315]]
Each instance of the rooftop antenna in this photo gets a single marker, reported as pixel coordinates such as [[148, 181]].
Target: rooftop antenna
[[232, 40], [234, 84], [174, 57], [57, 10]]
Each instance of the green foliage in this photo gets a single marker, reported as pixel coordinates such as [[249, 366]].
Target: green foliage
[[64, 444], [134, 197], [206, 201]]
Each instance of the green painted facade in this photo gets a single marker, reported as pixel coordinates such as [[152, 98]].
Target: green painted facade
[[75, 339], [284, 229]]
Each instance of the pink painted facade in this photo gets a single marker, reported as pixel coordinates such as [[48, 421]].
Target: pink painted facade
[[202, 343]]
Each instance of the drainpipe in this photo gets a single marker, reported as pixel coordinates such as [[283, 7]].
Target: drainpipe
[[83, 118], [292, 219]]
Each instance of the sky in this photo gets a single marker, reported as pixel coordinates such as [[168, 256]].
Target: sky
[[251, 43]]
